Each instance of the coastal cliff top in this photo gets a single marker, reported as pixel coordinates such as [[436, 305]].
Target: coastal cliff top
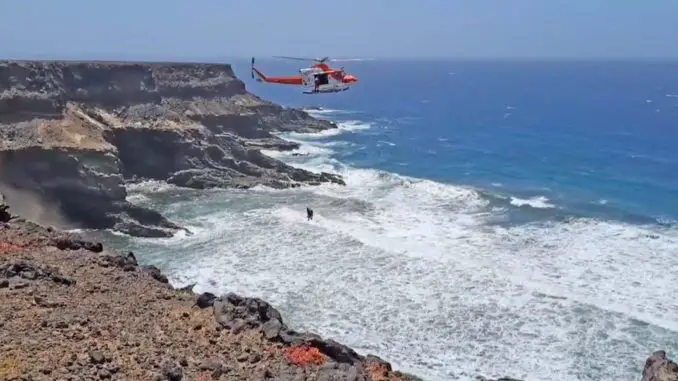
[[87, 128], [72, 104]]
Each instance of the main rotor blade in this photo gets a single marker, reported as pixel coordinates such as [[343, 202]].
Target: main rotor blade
[[296, 58], [350, 59]]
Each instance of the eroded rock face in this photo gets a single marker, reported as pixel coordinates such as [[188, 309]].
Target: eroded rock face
[[73, 133]]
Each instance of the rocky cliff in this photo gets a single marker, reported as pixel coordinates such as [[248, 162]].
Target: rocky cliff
[[73, 133]]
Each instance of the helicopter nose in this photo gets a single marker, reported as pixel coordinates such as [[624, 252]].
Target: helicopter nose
[[350, 79]]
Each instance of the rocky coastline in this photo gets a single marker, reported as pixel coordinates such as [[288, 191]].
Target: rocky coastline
[[73, 310], [72, 134]]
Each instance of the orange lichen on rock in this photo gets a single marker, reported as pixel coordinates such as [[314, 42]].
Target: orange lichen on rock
[[9, 248], [304, 355]]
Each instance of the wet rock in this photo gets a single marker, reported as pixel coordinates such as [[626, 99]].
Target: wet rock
[[188, 288], [336, 351], [371, 360], [658, 367], [237, 313], [205, 300], [155, 273]]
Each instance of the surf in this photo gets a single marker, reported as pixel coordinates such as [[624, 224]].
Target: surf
[[413, 269]]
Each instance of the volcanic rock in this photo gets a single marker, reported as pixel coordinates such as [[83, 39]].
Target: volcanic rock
[[72, 134]]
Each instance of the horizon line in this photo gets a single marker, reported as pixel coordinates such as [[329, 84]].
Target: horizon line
[[225, 59]]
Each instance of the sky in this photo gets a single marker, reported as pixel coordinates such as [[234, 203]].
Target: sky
[[212, 29]]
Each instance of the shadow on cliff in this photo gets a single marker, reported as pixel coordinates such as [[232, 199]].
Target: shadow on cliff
[[33, 208]]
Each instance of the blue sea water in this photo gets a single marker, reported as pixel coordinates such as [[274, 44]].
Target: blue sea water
[[596, 138], [499, 219]]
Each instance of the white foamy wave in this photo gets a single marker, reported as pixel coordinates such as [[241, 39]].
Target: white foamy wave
[[151, 186], [410, 269], [538, 202], [342, 128], [452, 287], [304, 149], [326, 111], [141, 192]]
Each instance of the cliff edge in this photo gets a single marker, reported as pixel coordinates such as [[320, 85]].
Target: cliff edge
[[73, 133]]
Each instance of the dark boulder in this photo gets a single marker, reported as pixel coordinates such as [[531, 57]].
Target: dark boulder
[[67, 243], [127, 262], [237, 312], [205, 300], [155, 273]]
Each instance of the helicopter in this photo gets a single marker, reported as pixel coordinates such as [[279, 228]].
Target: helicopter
[[319, 78]]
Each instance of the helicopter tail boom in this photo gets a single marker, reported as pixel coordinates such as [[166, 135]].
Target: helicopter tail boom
[[261, 77]]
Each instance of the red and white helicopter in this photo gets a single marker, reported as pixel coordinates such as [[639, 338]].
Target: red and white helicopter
[[319, 78]]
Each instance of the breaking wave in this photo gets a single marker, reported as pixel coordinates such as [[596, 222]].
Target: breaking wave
[[539, 202], [416, 272]]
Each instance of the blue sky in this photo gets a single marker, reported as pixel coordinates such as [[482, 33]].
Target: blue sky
[[208, 29]]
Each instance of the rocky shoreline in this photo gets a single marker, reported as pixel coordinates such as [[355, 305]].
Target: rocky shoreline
[[73, 310], [72, 134]]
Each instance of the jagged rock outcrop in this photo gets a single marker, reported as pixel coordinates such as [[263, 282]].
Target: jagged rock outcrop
[[658, 367], [74, 133]]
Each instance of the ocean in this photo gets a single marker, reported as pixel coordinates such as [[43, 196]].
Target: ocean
[[500, 218]]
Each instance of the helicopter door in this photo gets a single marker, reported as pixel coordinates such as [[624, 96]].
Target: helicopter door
[[322, 79]]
